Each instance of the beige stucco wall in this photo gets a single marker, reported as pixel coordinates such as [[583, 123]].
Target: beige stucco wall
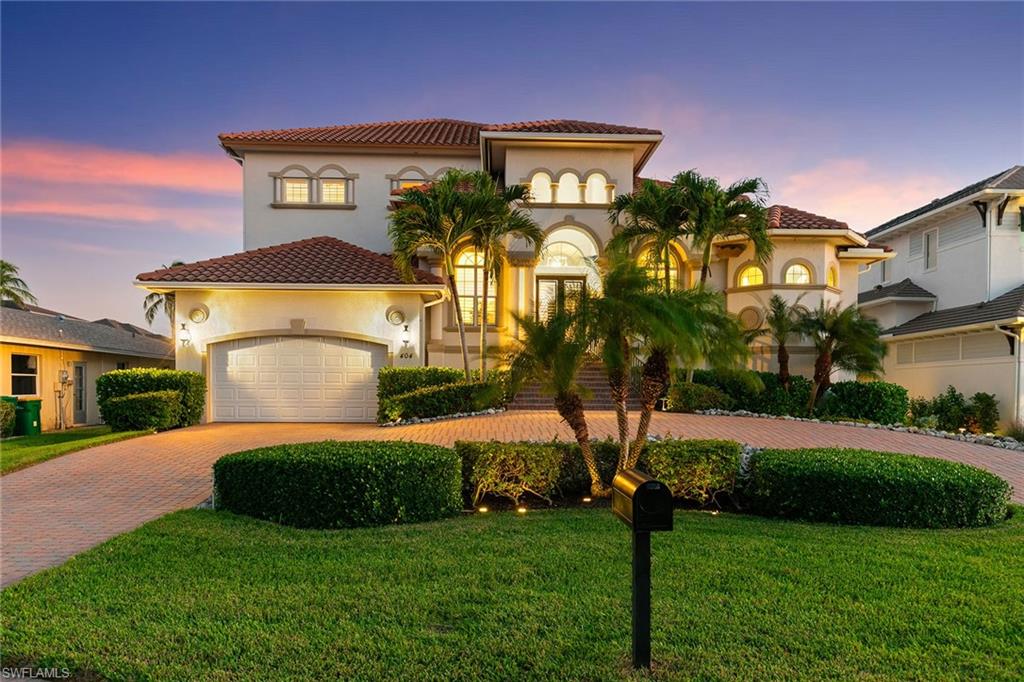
[[51, 361]]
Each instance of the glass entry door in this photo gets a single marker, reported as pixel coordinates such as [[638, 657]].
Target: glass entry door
[[558, 294]]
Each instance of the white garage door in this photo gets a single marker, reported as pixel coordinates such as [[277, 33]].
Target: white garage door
[[295, 379]]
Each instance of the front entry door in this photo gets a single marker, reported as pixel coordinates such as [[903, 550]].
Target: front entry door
[[558, 294], [78, 394]]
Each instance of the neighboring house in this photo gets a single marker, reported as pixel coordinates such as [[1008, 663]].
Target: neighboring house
[[56, 358], [952, 300], [295, 327]]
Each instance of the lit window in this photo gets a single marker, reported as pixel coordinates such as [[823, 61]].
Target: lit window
[[469, 279], [568, 189], [597, 189], [798, 274], [833, 277], [332, 191], [540, 188], [751, 276], [296, 190], [409, 183], [931, 249], [24, 374], [562, 255], [655, 266]]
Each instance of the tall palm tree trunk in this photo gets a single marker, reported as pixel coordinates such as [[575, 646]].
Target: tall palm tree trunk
[[453, 289], [570, 408], [822, 370], [705, 264], [483, 317], [618, 382], [655, 381], [783, 356]]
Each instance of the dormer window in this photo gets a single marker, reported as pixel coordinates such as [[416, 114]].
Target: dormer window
[[296, 190]]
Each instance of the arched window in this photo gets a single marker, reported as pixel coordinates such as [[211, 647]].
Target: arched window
[[469, 279], [562, 255], [597, 189], [832, 277], [654, 264], [797, 273], [751, 276], [540, 188], [568, 189]]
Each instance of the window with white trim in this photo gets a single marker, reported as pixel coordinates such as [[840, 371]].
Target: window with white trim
[[469, 280], [24, 374], [295, 190], [931, 249], [333, 191]]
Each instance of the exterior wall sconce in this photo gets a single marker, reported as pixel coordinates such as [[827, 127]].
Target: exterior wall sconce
[[184, 335], [406, 352]]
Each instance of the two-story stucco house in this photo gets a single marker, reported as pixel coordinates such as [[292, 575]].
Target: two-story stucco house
[[295, 327], [952, 300]]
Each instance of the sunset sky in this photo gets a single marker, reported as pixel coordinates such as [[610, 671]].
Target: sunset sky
[[110, 112]]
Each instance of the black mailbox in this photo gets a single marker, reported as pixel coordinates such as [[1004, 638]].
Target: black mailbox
[[643, 504]]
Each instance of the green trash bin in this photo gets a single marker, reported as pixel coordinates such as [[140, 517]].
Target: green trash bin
[[26, 418]]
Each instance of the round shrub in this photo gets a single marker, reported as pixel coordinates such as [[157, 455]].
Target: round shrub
[[191, 387], [6, 419], [695, 469], [873, 488], [338, 484], [158, 410], [685, 396]]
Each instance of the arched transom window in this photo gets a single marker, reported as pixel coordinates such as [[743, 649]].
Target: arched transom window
[[469, 279], [654, 263], [751, 276], [567, 188], [833, 277], [798, 273], [540, 188]]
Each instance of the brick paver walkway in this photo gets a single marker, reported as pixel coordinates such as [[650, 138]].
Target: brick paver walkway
[[56, 509]]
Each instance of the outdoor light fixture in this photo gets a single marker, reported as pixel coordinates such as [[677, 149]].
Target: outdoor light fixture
[[521, 510], [185, 335], [406, 353], [482, 510], [587, 500], [405, 335]]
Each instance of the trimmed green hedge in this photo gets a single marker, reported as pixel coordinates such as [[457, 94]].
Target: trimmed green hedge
[[873, 488], [6, 419], [393, 381], [875, 401], [335, 484], [121, 382], [759, 392], [158, 410], [695, 470], [511, 470], [439, 401], [684, 396]]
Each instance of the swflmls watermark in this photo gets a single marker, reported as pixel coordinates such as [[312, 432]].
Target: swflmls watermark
[[30, 673]]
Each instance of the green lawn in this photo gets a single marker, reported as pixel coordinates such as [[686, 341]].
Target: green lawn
[[207, 595], [18, 453]]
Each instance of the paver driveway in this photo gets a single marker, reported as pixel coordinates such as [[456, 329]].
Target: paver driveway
[[56, 509]]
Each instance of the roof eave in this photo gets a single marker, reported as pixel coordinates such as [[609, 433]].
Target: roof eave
[[988, 191], [52, 343], [875, 302], [651, 141], [285, 286], [939, 331]]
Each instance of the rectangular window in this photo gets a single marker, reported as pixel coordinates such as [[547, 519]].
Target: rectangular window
[[931, 250], [122, 365], [24, 374], [332, 191], [296, 190], [886, 271]]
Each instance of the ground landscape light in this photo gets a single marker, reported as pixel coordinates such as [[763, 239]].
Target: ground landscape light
[[482, 510], [521, 510]]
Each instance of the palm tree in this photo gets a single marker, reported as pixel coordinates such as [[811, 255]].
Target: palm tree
[[506, 219], [551, 352], [781, 322], [843, 339], [155, 302], [715, 212], [654, 213], [442, 217], [13, 287]]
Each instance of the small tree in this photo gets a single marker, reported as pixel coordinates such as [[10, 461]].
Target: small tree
[[654, 213], [156, 301], [843, 340], [13, 287], [781, 323]]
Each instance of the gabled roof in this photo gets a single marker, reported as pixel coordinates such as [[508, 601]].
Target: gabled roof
[[427, 132], [1011, 178], [319, 260], [60, 331], [1008, 306], [903, 289], [127, 327], [789, 218]]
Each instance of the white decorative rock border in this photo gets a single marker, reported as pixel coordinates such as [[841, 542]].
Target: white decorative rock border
[[1004, 442], [425, 420]]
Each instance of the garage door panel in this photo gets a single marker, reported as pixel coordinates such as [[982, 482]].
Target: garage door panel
[[289, 378]]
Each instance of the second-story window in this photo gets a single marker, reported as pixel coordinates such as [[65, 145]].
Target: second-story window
[[332, 191], [931, 249], [296, 190], [798, 274]]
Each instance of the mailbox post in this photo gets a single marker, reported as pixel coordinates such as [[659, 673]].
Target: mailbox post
[[645, 505]]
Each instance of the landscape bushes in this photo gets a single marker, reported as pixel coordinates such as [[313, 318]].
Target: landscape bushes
[[511, 470], [759, 392], [951, 411], [334, 484], [873, 488], [393, 381], [684, 396], [695, 470], [191, 388], [422, 392], [7, 411], [874, 401], [157, 410]]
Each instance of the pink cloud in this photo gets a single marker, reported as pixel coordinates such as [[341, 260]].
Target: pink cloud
[[50, 161], [853, 190], [218, 220]]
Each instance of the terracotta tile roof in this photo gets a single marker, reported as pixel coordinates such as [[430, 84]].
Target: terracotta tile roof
[[903, 289], [789, 218], [1011, 178], [427, 132], [1005, 307], [320, 260]]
